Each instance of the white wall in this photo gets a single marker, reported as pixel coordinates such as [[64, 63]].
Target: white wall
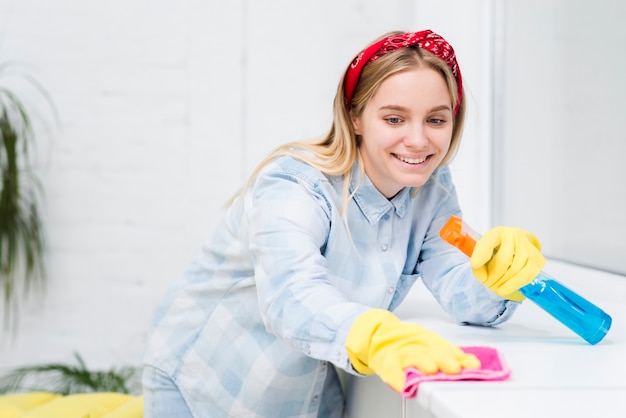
[[562, 137], [164, 108]]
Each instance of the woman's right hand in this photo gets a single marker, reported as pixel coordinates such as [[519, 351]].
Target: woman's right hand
[[378, 342]]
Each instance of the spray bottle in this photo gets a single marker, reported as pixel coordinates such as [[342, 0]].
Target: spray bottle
[[572, 310]]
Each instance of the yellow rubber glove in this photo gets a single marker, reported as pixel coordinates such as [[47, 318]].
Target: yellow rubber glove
[[378, 342], [506, 259]]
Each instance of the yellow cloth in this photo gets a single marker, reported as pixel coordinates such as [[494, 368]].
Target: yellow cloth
[[506, 259], [14, 405], [378, 342], [83, 405], [131, 409]]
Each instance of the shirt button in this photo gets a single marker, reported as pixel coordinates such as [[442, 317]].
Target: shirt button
[[315, 398], [324, 364], [384, 247], [390, 290]]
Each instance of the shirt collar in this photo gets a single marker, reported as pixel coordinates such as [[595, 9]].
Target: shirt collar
[[373, 204]]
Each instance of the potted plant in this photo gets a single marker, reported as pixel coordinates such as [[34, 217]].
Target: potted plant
[[22, 243], [62, 390]]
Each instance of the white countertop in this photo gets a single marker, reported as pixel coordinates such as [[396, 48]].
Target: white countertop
[[555, 373]]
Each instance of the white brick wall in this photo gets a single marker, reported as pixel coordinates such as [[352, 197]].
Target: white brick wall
[[164, 107]]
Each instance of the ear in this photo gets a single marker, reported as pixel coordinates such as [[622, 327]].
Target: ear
[[355, 124]]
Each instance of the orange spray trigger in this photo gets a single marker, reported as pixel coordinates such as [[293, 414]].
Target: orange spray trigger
[[457, 233]]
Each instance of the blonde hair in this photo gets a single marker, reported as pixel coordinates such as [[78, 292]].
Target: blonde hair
[[334, 154]]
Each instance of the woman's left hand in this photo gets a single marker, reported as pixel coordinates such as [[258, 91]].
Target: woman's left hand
[[506, 259]]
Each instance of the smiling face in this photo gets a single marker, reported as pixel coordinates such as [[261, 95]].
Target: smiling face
[[405, 130]]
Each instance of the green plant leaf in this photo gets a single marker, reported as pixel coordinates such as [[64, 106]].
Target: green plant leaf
[[67, 379], [22, 241]]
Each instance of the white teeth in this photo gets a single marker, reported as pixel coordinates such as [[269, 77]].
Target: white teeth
[[411, 160]]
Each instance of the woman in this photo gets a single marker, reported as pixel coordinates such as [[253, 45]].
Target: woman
[[324, 242]]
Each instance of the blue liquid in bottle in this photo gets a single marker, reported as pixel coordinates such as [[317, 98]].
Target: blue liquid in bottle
[[572, 310]]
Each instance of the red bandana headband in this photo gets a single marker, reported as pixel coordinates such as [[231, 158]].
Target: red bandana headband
[[426, 39]]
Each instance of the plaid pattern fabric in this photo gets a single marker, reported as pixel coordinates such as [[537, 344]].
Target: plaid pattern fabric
[[256, 323]]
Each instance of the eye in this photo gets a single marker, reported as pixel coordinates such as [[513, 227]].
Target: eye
[[436, 121], [393, 120]]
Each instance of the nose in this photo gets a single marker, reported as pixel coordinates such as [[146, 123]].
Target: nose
[[416, 137]]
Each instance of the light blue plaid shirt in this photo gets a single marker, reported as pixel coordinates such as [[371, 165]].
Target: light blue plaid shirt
[[254, 326]]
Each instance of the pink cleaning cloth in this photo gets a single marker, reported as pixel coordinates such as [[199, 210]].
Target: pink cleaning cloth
[[492, 367]]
